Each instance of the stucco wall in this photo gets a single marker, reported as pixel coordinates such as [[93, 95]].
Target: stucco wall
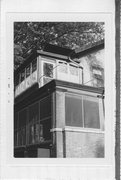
[[90, 61], [84, 144]]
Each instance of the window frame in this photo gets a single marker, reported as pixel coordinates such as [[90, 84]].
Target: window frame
[[32, 65], [54, 73], [29, 65], [19, 129], [23, 71], [101, 112], [73, 65], [65, 63]]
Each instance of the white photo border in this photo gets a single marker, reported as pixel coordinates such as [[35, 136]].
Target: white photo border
[[107, 18]]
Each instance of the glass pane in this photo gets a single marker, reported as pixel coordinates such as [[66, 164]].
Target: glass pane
[[22, 118], [38, 133], [19, 138], [45, 107], [48, 70], [41, 132], [91, 114], [22, 137], [31, 134], [28, 71], [34, 112], [22, 75], [15, 138], [15, 120], [73, 106], [46, 80], [73, 70], [46, 129], [62, 67], [16, 80], [34, 65]]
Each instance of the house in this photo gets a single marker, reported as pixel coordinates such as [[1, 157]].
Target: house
[[92, 58], [59, 103]]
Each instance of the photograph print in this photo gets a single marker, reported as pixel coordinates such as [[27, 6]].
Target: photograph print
[[59, 89]]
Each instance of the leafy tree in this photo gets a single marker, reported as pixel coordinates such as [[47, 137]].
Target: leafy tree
[[31, 35]]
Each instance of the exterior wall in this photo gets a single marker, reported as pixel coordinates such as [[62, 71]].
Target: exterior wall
[[75, 142], [88, 144], [89, 62], [61, 142], [60, 122]]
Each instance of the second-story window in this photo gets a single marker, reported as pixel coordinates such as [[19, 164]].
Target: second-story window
[[34, 66], [17, 80], [73, 70], [27, 71], [63, 67], [47, 72], [22, 75]]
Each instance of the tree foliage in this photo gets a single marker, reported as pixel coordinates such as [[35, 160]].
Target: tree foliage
[[31, 35]]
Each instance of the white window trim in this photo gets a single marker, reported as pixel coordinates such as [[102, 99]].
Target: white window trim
[[101, 113], [44, 61]]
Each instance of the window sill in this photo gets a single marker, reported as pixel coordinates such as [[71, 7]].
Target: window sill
[[80, 129]]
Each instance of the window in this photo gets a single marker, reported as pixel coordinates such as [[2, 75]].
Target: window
[[46, 80], [22, 118], [45, 108], [45, 117], [39, 121], [48, 72], [35, 133], [73, 70], [82, 111], [46, 124], [22, 75], [34, 66], [22, 127], [15, 129], [73, 107], [17, 80], [63, 67], [34, 112], [15, 120], [91, 113], [34, 123], [27, 71]]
